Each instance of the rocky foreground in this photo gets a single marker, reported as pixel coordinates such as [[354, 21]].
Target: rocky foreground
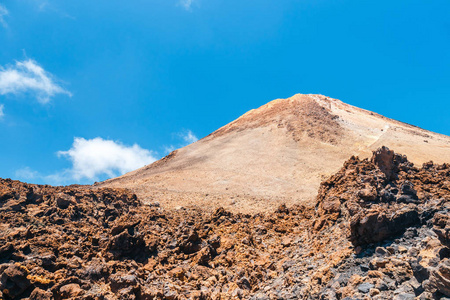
[[380, 230]]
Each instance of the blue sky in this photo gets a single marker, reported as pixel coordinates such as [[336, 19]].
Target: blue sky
[[92, 89]]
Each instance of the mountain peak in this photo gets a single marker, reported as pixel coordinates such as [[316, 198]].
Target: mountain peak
[[277, 153], [299, 115]]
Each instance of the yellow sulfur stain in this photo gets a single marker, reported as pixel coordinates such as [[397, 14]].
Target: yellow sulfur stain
[[39, 279]]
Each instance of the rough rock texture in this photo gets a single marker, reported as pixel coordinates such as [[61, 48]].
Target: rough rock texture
[[441, 223], [371, 236], [382, 197], [397, 217], [78, 243]]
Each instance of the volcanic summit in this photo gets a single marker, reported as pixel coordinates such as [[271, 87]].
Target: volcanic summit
[[277, 153]]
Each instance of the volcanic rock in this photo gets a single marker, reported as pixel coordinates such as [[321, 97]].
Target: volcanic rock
[[355, 243], [441, 227], [39, 294], [14, 281], [440, 278]]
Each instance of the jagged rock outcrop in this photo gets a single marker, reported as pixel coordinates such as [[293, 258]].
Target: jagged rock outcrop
[[441, 226], [397, 217], [379, 198]]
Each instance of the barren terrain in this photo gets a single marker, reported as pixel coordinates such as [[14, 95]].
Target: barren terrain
[[380, 230], [278, 153]]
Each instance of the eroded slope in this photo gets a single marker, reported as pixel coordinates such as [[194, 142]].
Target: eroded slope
[[278, 153]]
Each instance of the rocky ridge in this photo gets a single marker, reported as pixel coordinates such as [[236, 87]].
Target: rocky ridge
[[396, 217], [380, 230]]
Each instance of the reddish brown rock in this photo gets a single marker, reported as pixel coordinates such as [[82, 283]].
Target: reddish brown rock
[[39, 294], [106, 245], [379, 198], [63, 200], [71, 290]]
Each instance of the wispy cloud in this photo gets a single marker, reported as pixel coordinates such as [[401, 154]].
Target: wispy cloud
[[2, 110], [168, 149], [29, 77], [29, 175], [187, 4], [46, 6], [94, 157], [3, 12], [187, 137]]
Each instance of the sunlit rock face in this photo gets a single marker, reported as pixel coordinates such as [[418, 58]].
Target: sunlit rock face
[[277, 153]]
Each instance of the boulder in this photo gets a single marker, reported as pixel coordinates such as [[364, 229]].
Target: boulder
[[39, 294], [14, 281], [387, 161], [126, 245], [204, 256], [375, 225], [441, 226], [71, 290], [120, 281], [63, 200], [440, 278]]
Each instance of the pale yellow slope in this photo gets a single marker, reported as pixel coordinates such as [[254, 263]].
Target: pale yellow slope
[[373, 131], [277, 153]]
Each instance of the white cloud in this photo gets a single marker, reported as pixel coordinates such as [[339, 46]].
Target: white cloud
[[189, 137], [3, 12], [27, 173], [2, 111], [168, 149], [91, 158], [186, 4], [28, 76], [46, 6]]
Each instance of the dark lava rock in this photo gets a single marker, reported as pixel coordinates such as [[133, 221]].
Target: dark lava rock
[[120, 281], [63, 200], [14, 281], [381, 251], [125, 245], [384, 159], [441, 222], [365, 287], [440, 278], [377, 225], [420, 272]]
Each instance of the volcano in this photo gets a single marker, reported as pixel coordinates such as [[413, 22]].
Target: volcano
[[277, 153]]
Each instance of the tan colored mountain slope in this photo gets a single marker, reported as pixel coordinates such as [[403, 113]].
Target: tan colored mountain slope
[[277, 153]]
